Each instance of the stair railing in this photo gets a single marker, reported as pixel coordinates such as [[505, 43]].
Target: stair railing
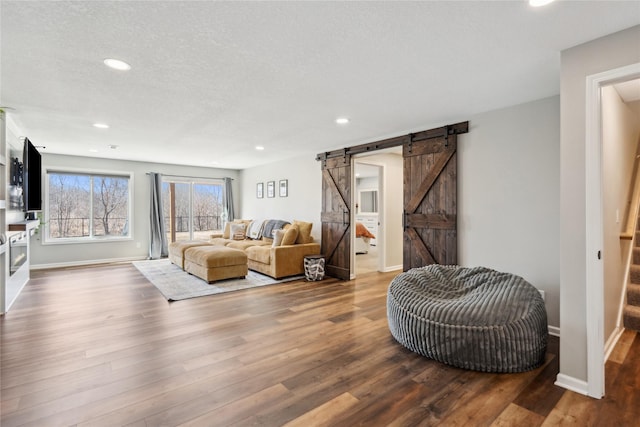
[[628, 235]]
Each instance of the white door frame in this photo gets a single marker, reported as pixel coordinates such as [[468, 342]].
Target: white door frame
[[594, 223]]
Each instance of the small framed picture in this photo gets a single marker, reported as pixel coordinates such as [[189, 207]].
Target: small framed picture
[[271, 189], [260, 190], [284, 188]]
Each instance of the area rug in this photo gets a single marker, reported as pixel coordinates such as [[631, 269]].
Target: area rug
[[176, 284]]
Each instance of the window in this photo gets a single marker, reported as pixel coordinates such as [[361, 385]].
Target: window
[[192, 208], [87, 206]]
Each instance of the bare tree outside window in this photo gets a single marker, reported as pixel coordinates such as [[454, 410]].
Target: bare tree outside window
[[195, 204], [110, 205], [85, 206]]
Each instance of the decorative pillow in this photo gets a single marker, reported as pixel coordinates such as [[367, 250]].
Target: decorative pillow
[[237, 231], [290, 235], [227, 228], [278, 235], [304, 233]]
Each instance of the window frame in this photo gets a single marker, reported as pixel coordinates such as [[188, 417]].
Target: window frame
[[47, 240]]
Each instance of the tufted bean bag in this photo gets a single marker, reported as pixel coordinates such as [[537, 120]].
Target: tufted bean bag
[[471, 318]]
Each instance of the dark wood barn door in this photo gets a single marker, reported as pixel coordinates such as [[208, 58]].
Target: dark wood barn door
[[336, 216], [430, 194]]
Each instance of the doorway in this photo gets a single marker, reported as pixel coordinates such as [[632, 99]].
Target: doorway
[[377, 204], [368, 210], [595, 223], [192, 209], [428, 235]]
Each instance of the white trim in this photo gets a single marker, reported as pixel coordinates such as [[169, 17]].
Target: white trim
[[571, 383], [84, 263], [129, 175], [554, 330], [392, 268], [612, 341], [594, 224]]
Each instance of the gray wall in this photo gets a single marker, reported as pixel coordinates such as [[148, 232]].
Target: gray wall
[[577, 63], [508, 195], [304, 201], [50, 255]]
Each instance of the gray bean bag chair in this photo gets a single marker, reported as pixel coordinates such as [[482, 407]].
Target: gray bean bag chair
[[471, 318]]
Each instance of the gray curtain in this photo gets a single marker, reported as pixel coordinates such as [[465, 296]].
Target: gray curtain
[[228, 200], [158, 236]]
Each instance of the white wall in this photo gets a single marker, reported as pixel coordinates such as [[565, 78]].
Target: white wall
[[508, 195], [83, 253], [304, 201], [577, 63], [620, 132]]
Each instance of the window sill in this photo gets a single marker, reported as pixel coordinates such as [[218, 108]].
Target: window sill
[[86, 240]]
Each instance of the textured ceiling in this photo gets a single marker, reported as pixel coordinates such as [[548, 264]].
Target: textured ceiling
[[211, 80]]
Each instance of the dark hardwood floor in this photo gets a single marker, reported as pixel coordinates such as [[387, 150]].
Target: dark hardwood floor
[[100, 346]]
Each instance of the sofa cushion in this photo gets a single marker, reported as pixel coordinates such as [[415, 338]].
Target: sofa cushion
[[244, 244], [304, 231], [260, 254], [290, 235]]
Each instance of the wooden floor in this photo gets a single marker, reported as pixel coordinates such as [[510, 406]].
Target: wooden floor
[[100, 346]]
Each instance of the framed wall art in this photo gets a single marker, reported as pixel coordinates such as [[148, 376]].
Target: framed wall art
[[260, 190], [283, 188], [271, 189]]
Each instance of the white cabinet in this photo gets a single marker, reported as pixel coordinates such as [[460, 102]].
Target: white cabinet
[[371, 222]]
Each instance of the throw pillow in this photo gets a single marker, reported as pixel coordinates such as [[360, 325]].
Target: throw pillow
[[278, 235], [226, 234], [237, 231], [290, 235], [254, 231], [304, 233]]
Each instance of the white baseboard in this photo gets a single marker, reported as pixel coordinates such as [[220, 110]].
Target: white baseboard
[[83, 263], [612, 341], [392, 268], [554, 330], [572, 384]]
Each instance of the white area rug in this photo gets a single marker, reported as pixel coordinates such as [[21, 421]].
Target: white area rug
[[176, 284]]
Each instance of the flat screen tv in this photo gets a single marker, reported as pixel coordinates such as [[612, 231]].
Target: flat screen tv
[[32, 179]]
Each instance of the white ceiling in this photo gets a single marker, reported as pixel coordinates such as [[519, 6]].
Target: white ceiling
[[211, 80]]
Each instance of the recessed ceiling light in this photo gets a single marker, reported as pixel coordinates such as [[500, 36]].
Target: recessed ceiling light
[[357, 175], [342, 120], [93, 150], [215, 163], [538, 3], [113, 146], [117, 64], [259, 147], [101, 126]]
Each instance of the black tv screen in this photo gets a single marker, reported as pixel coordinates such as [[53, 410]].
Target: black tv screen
[[32, 181]]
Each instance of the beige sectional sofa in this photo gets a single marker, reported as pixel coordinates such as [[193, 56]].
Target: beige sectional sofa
[[283, 258]]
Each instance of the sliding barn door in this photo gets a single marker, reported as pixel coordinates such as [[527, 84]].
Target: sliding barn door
[[336, 216], [430, 193]]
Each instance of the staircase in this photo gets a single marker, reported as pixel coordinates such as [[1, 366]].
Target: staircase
[[632, 308]]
